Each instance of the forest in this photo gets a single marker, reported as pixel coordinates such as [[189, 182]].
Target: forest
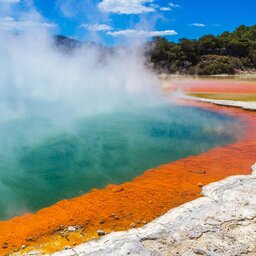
[[228, 53]]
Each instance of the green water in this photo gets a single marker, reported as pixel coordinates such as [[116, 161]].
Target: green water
[[40, 165]]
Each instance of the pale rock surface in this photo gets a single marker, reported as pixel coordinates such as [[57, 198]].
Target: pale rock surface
[[222, 222], [248, 105]]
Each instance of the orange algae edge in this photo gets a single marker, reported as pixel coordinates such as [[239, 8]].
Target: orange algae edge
[[229, 87], [134, 203]]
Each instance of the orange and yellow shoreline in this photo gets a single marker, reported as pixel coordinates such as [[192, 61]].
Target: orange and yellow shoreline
[[132, 204]]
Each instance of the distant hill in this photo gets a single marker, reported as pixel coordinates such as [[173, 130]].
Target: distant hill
[[68, 45], [228, 53], [66, 42]]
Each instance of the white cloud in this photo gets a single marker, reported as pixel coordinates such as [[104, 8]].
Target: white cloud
[[10, 1], [197, 25], [96, 27], [155, 6], [133, 6], [216, 25], [126, 6], [165, 9], [10, 24], [142, 33], [174, 5]]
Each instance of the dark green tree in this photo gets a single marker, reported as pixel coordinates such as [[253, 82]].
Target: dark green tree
[[226, 53]]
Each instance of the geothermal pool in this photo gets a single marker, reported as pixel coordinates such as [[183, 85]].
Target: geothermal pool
[[41, 164]]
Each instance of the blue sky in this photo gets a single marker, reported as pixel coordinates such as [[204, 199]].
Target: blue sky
[[115, 21]]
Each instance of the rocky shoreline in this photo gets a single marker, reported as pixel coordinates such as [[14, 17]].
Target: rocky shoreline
[[221, 222]]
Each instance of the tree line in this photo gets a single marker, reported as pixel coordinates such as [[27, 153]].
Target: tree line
[[228, 53]]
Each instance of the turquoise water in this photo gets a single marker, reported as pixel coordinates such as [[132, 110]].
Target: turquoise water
[[41, 165]]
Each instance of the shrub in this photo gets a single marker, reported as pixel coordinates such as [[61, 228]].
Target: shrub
[[215, 64]]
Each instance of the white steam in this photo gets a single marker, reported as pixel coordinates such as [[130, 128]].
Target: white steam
[[45, 91], [34, 74]]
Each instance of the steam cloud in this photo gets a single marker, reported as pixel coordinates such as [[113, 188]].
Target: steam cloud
[[43, 91], [34, 73]]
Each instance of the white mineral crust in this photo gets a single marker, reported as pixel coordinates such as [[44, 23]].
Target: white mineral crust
[[222, 222]]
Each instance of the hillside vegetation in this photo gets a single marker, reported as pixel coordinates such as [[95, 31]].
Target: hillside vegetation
[[228, 53]]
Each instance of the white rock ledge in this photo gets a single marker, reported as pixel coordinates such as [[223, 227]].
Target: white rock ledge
[[248, 105], [222, 222]]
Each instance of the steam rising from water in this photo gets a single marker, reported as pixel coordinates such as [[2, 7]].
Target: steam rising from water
[[40, 82], [72, 121], [44, 91], [34, 75]]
